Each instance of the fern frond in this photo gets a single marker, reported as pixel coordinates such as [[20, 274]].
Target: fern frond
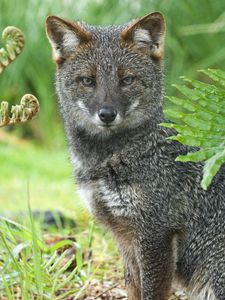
[[14, 43], [199, 119], [26, 110]]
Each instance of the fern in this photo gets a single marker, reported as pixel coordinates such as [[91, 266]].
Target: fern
[[14, 39], [199, 119], [27, 109], [29, 106]]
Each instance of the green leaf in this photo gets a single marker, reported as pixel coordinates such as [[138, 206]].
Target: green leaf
[[216, 75], [173, 114], [195, 141], [61, 244], [199, 121], [184, 103], [197, 156], [211, 167], [188, 92]]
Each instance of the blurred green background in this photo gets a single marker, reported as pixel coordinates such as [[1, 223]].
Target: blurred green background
[[35, 154]]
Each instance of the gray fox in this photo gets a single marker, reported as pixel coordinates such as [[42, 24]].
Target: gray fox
[[169, 230]]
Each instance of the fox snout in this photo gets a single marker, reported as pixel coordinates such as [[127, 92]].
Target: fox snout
[[107, 114]]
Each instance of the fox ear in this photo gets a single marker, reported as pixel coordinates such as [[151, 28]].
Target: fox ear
[[65, 37], [147, 34]]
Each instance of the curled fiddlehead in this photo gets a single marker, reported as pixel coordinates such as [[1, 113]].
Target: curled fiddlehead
[[23, 112], [14, 43]]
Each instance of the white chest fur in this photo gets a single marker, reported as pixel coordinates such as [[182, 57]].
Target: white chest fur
[[86, 194], [119, 201]]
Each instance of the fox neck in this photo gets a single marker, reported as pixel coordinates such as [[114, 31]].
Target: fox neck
[[92, 150]]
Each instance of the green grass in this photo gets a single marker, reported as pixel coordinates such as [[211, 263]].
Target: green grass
[[48, 173], [37, 178], [32, 269]]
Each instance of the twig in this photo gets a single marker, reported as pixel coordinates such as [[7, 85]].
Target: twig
[[109, 289]]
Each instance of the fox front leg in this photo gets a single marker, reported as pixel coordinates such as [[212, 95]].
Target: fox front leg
[[157, 266], [132, 280], [132, 286], [126, 245]]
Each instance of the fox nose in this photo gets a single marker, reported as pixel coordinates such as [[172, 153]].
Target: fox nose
[[107, 114]]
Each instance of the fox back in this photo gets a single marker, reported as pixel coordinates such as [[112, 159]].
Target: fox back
[[109, 83]]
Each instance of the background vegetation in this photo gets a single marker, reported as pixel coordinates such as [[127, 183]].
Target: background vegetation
[[35, 154]]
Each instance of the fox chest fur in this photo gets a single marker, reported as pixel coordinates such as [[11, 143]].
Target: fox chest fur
[[129, 181], [107, 191]]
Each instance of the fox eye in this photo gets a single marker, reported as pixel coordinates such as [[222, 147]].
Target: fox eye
[[87, 81], [127, 80]]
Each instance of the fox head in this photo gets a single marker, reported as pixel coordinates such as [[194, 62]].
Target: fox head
[[108, 78]]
